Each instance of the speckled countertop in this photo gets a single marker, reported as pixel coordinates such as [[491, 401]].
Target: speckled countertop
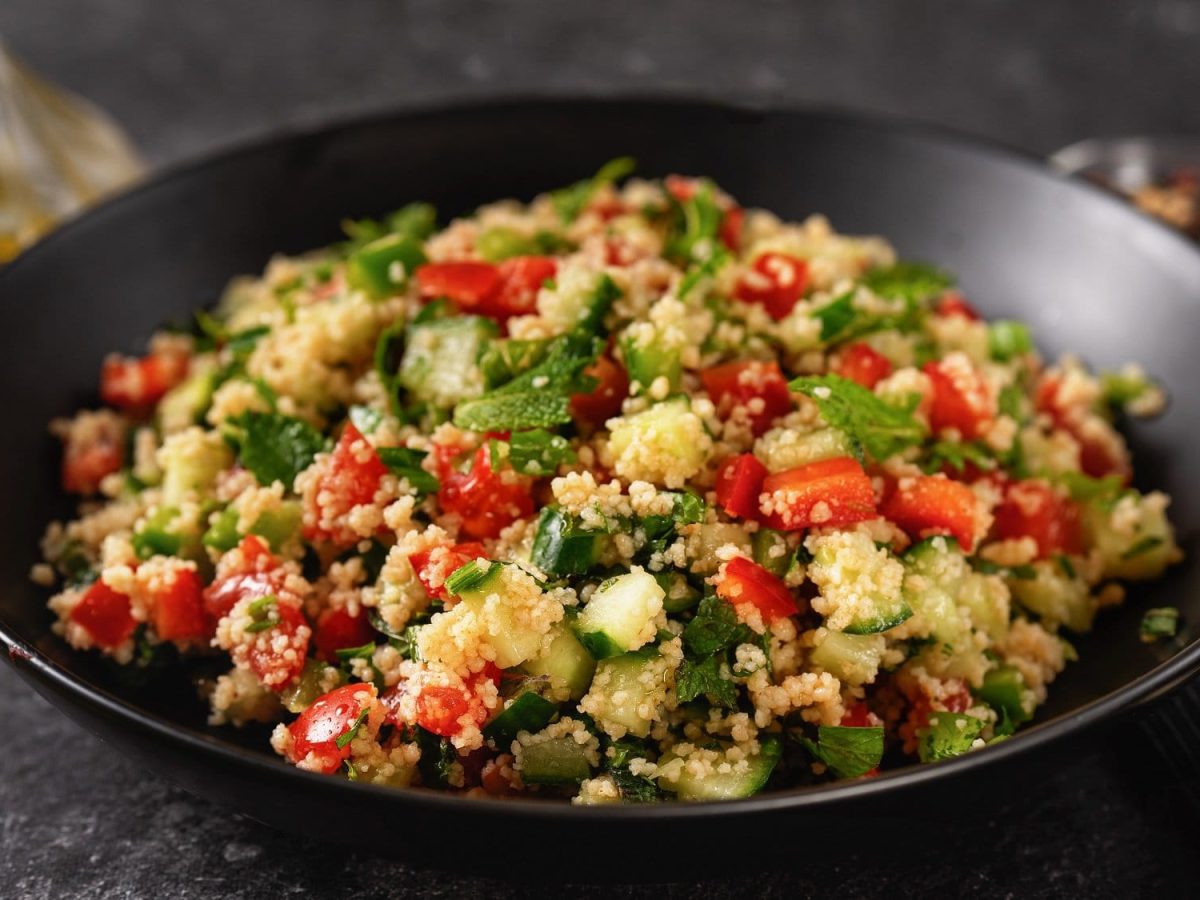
[[81, 821]]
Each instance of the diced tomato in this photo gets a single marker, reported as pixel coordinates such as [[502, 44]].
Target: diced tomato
[[487, 501], [435, 565], [758, 387], [337, 630], [744, 582], [256, 576], [961, 398], [277, 654], [862, 363], [929, 505], [953, 304], [604, 401], [955, 701], [521, 277], [179, 607], [439, 709], [1099, 458], [466, 283], [137, 383], [350, 478], [104, 614], [739, 482], [89, 458], [730, 230], [1034, 509], [825, 493], [775, 280], [331, 716], [858, 715], [1101, 450]]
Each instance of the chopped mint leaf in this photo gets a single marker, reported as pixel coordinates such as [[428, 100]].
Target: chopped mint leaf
[[274, 447], [536, 452], [715, 627], [848, 751], [405, 462], [634, 788], [881, 428], [948, 735], [703, 679]]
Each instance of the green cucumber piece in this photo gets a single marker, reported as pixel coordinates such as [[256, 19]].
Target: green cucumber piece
[[771, 551], [383, 267], [528, 711], [615, 618], [566, 663], [646, 363], [622, 684], [679, 593], [727, 786], [556, 761], [561, 547], [439, 362], [1003, 689]]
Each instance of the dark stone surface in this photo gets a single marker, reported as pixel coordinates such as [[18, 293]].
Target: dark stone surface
[[76, 820]]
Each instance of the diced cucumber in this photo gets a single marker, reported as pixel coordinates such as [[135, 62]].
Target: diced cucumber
[[771, 551], [187, 402], [986, 598], [508, 633], [439, 364], [667, 439], [619, 616], [647, 362], [854, 559], [561, 547], [851, 658], [276, 526], [1138, 552], [709, 537], [558, 760], [934, 575], [501, 242], [1055, 596], [383, 267], [300, 694], [678, 593], [528, 711], [748, 777], [566, 662], [1004, 689], [783, 449], [191, 462], [625, 688], [155, 536]]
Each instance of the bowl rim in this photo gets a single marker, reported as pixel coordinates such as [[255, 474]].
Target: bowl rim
[[39, 667]]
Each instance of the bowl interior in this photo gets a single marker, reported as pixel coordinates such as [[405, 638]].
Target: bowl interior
[[1088, 274]]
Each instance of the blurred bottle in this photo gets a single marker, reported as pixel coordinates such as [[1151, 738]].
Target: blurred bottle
[[58, 153]]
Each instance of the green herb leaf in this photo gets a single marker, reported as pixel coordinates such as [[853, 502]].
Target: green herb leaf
[[715, 627], [955, 455], [707, 268], [272, 446], [836, 316], [1085, 489], [1007, 339], [438, 756], [703, 679], [570, 201], [696, 224], [948, 735], [536, 452], [405, 462], [366, 651], [909, 280], [347, 736], [471, 575], [1158, 624], [635, 788], [1145, 545], [264, 614], [881, 428], [848, 751], [389, 352]]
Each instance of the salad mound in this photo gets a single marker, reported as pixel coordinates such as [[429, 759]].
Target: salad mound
[[623, 495]]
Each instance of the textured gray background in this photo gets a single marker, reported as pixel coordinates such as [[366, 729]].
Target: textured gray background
[[77, 820]]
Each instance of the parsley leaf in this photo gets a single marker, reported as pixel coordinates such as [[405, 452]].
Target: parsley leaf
[[389, 351], [848, 751], [836, 316], [405, 462], [956, 456], [1158, 624], [570, 201], [948, 735], [708, 268], [634, 788], [696, 224], [715, 627], [909, 280], [437, 757], [536, 452], [880, 427], [696, 679], [351, 733], [274, 447]]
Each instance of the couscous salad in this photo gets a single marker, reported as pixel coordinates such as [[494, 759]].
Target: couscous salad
[[627, 494]]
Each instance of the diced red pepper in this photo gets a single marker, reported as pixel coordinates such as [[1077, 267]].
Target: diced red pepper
[[466, 283], [758, 387], [87, 460], [858, 715], [521, 277], [330, 717], [435, 565], [928, 505], [730, 230], [952, 304], [1101, 452], [825, 493], [487, 501], [744, 582], [862, 363], [104, 614], [439, 709], [337, 630], [138, 383], [775, 280], [350, 478], [604, 402], [739, 482], [1034, 509], [277, 654], [179, 613], [961, 398]]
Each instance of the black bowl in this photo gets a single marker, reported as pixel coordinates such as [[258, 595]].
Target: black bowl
[[1087, 272]]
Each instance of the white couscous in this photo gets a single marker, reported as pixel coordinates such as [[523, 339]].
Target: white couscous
[[623, 495]]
